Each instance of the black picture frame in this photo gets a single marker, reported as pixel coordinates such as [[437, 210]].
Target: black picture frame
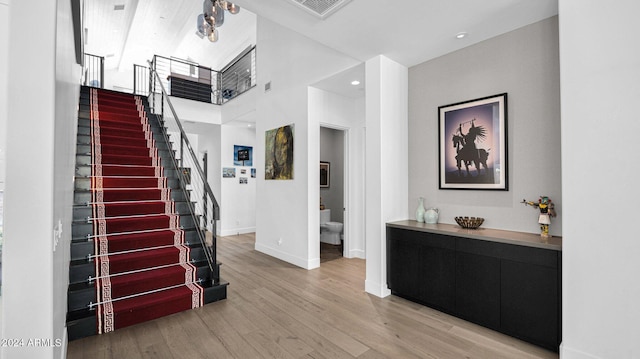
[[325, 174], [472, 139]]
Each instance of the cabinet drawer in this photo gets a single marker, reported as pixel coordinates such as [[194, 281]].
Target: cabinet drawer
[[530, 255], [424, 238]]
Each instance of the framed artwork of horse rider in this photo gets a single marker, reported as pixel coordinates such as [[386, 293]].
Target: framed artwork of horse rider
[[473, 144]]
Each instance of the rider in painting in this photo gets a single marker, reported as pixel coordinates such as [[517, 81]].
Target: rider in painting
[[467, 152]]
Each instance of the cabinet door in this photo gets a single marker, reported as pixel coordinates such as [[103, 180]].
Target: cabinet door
[[404, 265], [421, 267], [439, 273], [530, 302], [478, 289]]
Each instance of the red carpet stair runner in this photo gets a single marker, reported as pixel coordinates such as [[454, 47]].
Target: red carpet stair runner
[[142, 265]]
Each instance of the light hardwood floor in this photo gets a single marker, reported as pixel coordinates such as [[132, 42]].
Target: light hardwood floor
[[277, 310]]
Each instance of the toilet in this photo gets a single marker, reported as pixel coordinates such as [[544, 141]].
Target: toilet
[[330, 232]]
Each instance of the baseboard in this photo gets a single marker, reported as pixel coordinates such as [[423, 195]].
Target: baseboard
[[376, 289], [570, 353], [297, 261], [356, 253], [236, 231]]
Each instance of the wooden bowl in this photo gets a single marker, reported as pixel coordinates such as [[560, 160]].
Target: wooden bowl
[[469, 222]]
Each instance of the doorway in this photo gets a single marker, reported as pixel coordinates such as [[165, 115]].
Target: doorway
[[333, 192]]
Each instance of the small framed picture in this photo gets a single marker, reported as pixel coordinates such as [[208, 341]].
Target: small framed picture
[[242, 155], [325, 175], [244, 180], [228, 172]]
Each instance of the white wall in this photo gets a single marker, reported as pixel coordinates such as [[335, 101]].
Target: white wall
[[386, 162], [39, 183], [195, 111], [4, 58], [600, 73], [287, 210], [523, 63], [209, 138], [238, 201], [119, 80], [241, 106]]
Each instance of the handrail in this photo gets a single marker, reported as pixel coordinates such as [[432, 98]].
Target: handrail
[[186, 141], [207, 195]]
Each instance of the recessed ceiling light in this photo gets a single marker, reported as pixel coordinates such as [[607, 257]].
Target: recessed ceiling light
[[355, 82], [461, 35]]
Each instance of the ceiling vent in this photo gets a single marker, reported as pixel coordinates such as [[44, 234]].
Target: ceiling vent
[[118, 7], [321, 8]]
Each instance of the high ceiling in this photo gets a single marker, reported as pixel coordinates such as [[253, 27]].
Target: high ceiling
[[409, 32], [128, 32]]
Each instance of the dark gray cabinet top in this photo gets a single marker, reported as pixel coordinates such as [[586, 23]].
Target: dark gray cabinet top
[[486, 234]]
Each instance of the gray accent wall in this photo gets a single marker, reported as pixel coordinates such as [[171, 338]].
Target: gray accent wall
[[332, 151], [523, 63]]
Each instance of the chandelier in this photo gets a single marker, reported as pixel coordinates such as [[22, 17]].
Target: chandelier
[[212, 17]]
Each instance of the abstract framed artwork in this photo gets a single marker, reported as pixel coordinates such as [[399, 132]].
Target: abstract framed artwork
[[325, 176], [473, 144], [278, 164]]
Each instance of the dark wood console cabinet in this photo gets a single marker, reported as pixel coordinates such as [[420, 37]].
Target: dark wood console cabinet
[[503, 285]]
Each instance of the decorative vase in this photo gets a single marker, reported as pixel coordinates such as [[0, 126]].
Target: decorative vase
[[420, 211], [431, 216]]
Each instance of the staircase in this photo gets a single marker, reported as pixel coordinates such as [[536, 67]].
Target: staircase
[[137, 251]]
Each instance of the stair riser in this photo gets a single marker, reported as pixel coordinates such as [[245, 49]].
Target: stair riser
[[83, 140], [85, 326], [82, 249], [84, 183], [81, 230], [85, 171], [82, 270], [82, 328], [81, 213], [84, 146], [84, 159], [80, 298], [82, 198]]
